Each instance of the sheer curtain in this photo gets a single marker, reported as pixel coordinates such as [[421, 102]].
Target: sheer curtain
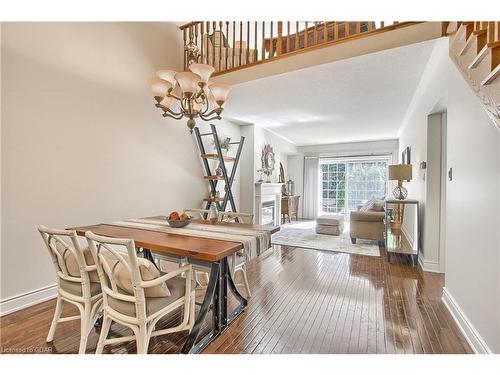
[[311, 189]]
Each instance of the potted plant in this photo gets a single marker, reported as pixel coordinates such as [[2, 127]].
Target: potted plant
[[225, 144]]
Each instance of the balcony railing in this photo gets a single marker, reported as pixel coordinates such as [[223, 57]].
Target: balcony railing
[[231, 45]]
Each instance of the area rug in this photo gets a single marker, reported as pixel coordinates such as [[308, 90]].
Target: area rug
[[303, 234]]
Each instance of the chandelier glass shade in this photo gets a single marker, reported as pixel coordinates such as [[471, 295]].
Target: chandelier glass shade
[[190, 94]]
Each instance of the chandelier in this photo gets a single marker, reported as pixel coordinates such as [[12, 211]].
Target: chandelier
[[190, 94]]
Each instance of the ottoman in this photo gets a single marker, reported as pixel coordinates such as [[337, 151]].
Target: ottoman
[[332, 224]]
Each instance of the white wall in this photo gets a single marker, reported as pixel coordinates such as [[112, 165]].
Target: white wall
[[296, 162], [472, 244], [81, 140], [256, 138], [430, 97], [473, 212]]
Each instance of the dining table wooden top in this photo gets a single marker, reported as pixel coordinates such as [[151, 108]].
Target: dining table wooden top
[[206, 249]]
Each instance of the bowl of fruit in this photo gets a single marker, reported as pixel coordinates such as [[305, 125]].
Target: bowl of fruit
[[178, 221]]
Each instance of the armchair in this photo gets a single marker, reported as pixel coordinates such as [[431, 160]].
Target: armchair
[[368, 225]]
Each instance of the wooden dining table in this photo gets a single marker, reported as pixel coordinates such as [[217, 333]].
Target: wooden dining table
[[204, 251]]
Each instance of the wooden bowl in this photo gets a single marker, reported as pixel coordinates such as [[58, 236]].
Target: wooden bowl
[[178, 223]]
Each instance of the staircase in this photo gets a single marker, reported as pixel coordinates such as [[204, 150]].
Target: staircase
[[475, 49]]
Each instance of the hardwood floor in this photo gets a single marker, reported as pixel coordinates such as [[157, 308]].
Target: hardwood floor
[[304, 301]]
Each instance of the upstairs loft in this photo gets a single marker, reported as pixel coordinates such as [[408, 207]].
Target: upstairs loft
[[230, 46]]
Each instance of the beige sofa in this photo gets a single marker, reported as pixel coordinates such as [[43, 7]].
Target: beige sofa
[[367, 225]]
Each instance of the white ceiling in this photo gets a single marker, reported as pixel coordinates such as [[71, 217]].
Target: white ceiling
[[358, 99]]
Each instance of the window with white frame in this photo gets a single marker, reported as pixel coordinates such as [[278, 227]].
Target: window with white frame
[[345, 183]]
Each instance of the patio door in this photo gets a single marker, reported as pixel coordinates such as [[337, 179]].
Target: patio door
[[347, 182]]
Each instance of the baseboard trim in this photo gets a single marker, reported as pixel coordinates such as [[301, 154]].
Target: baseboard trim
[[428, 266], [472, 336], [24, 300]]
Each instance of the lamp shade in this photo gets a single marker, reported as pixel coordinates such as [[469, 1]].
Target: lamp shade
[[203, 70], [167, 75], [166, 102], [220, 91], [400, 172], [160, 88], [188, 82]]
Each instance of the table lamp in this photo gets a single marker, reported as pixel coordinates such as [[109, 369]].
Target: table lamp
[[400, 172]]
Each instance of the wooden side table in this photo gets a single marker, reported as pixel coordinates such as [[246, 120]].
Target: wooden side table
[[289, 207]]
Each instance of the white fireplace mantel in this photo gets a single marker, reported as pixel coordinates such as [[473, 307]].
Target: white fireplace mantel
[[267, 192]]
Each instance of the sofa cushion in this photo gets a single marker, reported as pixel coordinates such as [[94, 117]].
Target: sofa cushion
[[148, 272], [72, 264], [153, 304], [120, 273], [373, 204], [330, 219], [75, 288], [367, 216]]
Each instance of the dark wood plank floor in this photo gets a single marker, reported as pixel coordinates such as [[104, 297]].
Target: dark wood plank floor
[[304, 301]]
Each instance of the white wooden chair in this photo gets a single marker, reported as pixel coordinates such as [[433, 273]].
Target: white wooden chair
[[134, 309], [198, 213], [229, 216], [238, 263], [77, 279]]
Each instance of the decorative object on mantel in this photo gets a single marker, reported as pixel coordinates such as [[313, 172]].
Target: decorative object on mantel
[[268, 161], [282, 180], [189, 94], [290, 187], [399, 172]]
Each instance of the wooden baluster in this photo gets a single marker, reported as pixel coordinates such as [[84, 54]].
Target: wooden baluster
[[184, 35], [241, 42], [263, 40], [347, 28], [198, 41], [296, 36], [214, 37], [325, 31], [497, 34], [382, 24], [248, 42], [288, 36], [234, 42], [279, 41], [226, 46], [255, 49], [358, 27], [271, 41], [490, 34], [306, 36], [202, 41], [221, 42], [207, 49], [315, 33], [370, 25], [336, 30], [196, 34]]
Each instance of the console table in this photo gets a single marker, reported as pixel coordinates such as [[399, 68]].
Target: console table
[[289, 207], [403, 239]]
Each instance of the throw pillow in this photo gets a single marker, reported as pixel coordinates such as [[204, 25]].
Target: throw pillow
[[368, 206]]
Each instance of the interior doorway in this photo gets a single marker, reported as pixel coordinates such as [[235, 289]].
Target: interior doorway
[[434, 215]]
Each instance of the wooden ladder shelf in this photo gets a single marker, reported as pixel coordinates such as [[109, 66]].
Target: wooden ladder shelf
[[227, 176]]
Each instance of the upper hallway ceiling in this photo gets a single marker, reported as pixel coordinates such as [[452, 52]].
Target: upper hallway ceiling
[[357, 99]]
